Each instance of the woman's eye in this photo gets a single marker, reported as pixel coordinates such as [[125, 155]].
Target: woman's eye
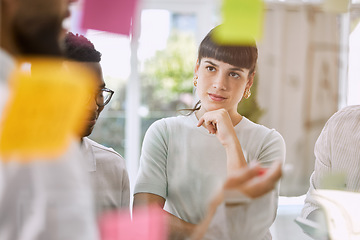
[[235, 75], [210, 68]]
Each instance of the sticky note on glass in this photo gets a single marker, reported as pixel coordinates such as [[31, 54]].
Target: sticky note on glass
[[46, 109], [148, 223], [334, 180], [114, 16], [336, 6], [242, 22]]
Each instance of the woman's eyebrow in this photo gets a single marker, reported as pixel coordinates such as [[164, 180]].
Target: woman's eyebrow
[[237, 69], [231, 69], [210, 62]]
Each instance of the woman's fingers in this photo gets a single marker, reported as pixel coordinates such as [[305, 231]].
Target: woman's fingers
[[274, 173], [264, 183], [201, 121], [253, 181], [210, 125], [241, 176]]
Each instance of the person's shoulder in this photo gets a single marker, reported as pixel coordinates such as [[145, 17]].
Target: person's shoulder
[[262, 134], [170, 122], [174, 119], [344, 120], [259, 128], [349, 112], [103, 151]]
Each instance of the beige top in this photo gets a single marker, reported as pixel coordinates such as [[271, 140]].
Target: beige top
[[109, 176], [337, 150]]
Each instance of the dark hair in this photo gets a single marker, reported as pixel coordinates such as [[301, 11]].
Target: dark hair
[[79, 48], [243, 56]]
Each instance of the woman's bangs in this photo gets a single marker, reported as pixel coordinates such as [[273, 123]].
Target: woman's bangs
[[240, 56]]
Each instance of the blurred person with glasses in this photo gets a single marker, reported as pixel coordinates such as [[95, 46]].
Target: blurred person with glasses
[[107, 167]]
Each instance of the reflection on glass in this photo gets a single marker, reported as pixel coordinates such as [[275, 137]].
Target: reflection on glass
[[167, 51]]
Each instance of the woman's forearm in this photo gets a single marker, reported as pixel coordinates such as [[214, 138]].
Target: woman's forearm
[[235, 156], [179, 229]]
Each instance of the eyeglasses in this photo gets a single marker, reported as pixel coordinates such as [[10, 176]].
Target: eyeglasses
[[103, 97]]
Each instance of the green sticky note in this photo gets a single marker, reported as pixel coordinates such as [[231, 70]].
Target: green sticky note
[[336, 6], [242, 22], [333, 180]]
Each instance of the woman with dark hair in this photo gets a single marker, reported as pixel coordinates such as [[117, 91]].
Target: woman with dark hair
[[198, 164]]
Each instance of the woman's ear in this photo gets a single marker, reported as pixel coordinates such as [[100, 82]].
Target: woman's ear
[[250, 80], [196, 67]]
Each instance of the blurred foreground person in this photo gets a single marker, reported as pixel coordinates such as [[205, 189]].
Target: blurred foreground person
[[42, 198], [107, 167]]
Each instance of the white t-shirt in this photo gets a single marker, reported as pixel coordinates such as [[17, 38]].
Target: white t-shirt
[[185, 165], [337, 150], [109, 176]]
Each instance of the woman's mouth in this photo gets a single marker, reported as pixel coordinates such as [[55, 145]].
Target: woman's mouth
[[216, 97]]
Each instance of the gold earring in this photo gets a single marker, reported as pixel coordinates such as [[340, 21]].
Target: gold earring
[[247, 93], [195, 80]]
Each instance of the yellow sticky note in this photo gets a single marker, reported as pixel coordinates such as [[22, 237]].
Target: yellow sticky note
[[336, 6], [242, 22], [45, 111]]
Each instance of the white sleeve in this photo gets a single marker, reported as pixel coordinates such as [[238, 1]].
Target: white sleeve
[[322, 168], [272, 149], [152, 176]]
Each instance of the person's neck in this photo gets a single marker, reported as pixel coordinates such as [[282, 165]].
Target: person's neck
[[236, 119]]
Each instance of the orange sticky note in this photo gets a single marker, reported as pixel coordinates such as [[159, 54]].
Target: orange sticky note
[[242, 22], [45, 109]]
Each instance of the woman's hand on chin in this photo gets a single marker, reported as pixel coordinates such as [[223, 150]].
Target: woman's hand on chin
[[218, 122]]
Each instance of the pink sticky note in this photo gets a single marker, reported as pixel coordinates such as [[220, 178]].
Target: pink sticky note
[[109, 15], [148, 224]]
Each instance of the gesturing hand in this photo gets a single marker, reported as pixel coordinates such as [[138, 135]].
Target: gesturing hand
[[254, 182], [249, 181]]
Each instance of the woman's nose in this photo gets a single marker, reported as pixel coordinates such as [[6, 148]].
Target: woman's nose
[[220, 82]]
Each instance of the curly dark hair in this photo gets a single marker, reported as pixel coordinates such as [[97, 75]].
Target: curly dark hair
[[79, 48]]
